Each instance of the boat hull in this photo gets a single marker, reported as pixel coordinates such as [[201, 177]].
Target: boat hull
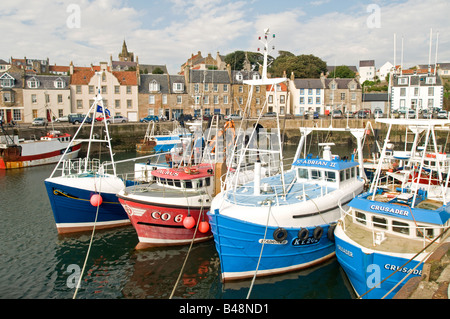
[[73, 211], [368, 270], [239, 245], [40, 156], [157, 224]]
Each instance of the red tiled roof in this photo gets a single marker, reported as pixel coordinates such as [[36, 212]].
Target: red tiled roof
[[81, 77], [126, 77]]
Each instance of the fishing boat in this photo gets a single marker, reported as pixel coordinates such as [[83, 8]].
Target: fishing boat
[[170, 208], [17, 152], [282, 222], [386, 234], [83, 194], [157, 143]]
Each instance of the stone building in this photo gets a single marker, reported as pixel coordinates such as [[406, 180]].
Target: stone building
[[11, 90], [342, 94], [46, 96], [240, 92], [154, 91]]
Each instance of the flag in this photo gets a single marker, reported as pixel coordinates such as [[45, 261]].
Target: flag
[[100, 110]]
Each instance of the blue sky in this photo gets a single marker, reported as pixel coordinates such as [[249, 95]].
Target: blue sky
[[169, 31]]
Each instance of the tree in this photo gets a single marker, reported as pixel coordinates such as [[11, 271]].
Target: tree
[[303, 66], [342, 72], [157, 70], [236, 60]]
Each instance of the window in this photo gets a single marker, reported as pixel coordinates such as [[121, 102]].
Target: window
[[317, 91], [33, 83], [178, 87], [60, 98], [256, 76], [60, 113], [179, 99], [302, 100], [330, 176], [270, 99], [430, 91], [342, 96], [17, 115], [347, 173], [116, 89], [310, 100], [341, 176], [129, 89], [225, 87], [8, 97], [33, 99], [154, 86], [402, 81], [403, 92], [129, 104], [91, 89], [360, 217], [302, 91], [315, 174], [216, 99], [78, 89], [399, 227], [302, 173], [241, 89], [151, 99], [422, 231], [239, 76], [196, 88], [310, 91], [104, 89], [59, 83], [379, 222], [164, 99], [353, 96], [216, 88], [317, 100], [431, 80], [117, 104], [282, 99], [35, 113], [257, 89], [225, 99], [7, 81], [79, 104]]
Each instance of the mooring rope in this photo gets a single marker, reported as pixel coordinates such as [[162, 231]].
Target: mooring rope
[[262, 248]]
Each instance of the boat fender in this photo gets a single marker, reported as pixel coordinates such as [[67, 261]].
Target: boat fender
[[280, 234], [303, 233], [318, 232], [330, 233]]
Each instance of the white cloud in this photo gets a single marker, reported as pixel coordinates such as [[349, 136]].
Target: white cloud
[[38, 29]]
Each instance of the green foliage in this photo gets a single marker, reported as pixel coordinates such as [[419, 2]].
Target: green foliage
[[303, 66], [342, 72], [157, 70]]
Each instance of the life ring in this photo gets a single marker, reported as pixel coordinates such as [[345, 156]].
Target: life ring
[[318, 232], [280, 234], [303, 234], [330, 233]]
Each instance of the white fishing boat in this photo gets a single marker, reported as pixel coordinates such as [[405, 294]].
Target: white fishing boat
[[283, 222], [386, 234]]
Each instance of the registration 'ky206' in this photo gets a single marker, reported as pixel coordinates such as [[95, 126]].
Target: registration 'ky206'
[[307, 241]]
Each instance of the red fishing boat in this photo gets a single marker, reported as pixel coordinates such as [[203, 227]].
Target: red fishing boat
[[172, 209]]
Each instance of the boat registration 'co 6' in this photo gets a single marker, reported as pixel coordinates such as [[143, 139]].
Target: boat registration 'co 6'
[[166, 216]]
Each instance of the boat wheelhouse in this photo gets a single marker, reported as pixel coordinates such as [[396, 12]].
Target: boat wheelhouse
[[388, 232]]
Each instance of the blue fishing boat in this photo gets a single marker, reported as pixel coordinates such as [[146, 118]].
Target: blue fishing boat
[[386, 234], [281, 222]]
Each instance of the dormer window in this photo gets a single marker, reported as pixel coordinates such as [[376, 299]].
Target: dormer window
[[154, 86], [403, 81], [59, 83], [256, 76], [33, 83], [178, 87], [6, 81], [239, 76], [431, 80]]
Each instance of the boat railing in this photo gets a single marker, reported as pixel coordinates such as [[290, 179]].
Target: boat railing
[[244, 194], [380, 230], [81, 165]]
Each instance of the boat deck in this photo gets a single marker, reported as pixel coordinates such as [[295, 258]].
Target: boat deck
[[272, 187], [391, 243]]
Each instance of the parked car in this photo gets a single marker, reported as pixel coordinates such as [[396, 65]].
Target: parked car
[[426, 114], [316, 115], [442, 114], [361, 114], [411, 114], [377, 113], [100, 118], [41, 121], [149, 118], [349, 114], [233, 117], [270, 114], [78, 118], [64, 118], [337, 114], [117, 119], [185, 117]]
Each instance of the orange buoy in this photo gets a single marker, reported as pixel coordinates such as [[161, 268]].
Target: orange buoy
[[203, 227], [189, 222], [96, 200]]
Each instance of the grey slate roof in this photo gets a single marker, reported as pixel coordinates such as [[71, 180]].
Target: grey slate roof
[[308, 84], [46, 82], [342, 83], [375, 97], [246, 75], [209, 76], [18, 76], [417, 80], [162, 79], [177, 79]]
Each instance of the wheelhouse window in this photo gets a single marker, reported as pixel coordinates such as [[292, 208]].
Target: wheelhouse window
[[379, 222], [422, 232], [315, 174], [330, 176], [360, 217], [302, 173], [399, 227]]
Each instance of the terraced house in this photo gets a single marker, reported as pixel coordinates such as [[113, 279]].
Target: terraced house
[[11, 104], [119, 90], [240, 92], [46, 96]]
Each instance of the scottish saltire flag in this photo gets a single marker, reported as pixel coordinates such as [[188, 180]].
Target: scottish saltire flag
[[100, 110]]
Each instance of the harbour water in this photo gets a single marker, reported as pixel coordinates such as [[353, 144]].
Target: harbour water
[[37, 263]]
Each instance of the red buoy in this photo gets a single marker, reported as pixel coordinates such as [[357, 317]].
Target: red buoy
[[189, 222], [96, 200], [203, 227]]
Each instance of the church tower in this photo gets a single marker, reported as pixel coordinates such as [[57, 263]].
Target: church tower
[[125, 55]]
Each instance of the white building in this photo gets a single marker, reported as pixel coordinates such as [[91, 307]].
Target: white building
[[307, 95], [367, 70], [385, 70], [46, 96], [416, 91]]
